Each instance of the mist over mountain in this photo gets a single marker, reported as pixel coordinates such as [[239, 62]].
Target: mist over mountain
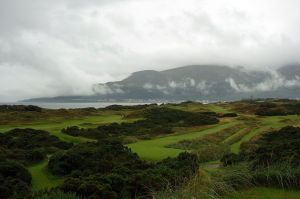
[[197, 82]]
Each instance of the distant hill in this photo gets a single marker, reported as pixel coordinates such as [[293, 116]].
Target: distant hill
[[197, 82]]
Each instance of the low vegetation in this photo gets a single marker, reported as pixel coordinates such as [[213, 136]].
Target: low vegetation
[[187, 150], [29, 146], [158, 121]]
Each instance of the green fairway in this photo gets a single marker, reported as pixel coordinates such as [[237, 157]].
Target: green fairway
[[266, 193], [197, 107], [266, 124], [41, 178], [156, 149], [228, 140], [54, 127]]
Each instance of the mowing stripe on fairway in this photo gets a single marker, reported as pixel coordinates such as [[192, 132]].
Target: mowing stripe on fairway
[[156, 149]]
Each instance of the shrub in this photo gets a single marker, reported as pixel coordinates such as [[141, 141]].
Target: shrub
[[15, 181], [109, 170]]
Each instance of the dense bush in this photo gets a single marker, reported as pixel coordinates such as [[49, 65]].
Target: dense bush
[[157, 121], [15, 180], [271, 112], [28, 145], [102, 157], [109, 170], [271, 148], [20, 108], [274, 158], [116, 107], [178, 117], [275, 147], [273, 109]]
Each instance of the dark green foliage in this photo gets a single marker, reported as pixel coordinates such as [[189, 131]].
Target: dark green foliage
[[19, 108], [28, 145], [271, 112], [31, 138], [137, 128], [15, 180], [178, 117], [272, 148], [116, 107], [275, 147], [102, 157], [157, 121], [274, 158], [109, 170], [273, 109]]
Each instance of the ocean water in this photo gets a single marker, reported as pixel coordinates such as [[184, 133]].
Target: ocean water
[[74, 105]]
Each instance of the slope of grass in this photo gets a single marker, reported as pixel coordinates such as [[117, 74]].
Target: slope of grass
[[265, 193], [156, 149], [54, 127], [267, 123], [41, 178]]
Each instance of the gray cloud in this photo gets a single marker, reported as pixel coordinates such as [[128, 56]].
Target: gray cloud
[[62, 47]]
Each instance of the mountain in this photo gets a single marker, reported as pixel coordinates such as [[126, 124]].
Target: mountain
[[197, 82]]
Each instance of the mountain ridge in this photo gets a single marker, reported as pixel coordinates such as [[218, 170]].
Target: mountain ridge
[[196, 82]]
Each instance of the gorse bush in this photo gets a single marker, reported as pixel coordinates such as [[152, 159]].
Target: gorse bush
[[29, 146], [19, 108], [108, 169], [273, 109], [157, 121], [274, 158], [15, 180], [274, 147]]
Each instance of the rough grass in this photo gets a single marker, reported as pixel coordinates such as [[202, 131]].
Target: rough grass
[[57, 194], [210, 185], [265, 193], [156, 149]]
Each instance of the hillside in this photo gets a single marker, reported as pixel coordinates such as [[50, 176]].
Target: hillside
[[197, 82]]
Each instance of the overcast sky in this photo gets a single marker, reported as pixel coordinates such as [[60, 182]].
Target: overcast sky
[[62, 47]]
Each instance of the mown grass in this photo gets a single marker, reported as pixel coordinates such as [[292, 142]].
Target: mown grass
[[41, 178], [156, 149], [55, 126], [265, 124], [265, 193], [198, 107]]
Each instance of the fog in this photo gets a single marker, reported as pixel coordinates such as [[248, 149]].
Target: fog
[[63, 47]]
